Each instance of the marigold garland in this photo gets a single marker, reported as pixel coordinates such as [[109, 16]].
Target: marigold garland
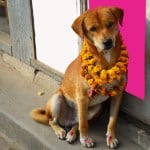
[[97, 77]]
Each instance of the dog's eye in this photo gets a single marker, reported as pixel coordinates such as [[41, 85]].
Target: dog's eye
[[110, 24], [93, 29]]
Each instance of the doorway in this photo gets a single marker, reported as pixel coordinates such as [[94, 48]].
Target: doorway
[[56, 43]]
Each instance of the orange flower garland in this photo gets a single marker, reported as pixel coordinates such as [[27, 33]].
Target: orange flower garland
[[97, 77]]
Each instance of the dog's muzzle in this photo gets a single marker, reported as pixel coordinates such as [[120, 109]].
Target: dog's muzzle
[[108, 44]]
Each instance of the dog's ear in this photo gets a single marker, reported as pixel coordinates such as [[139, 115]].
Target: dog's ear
[[118, 13], [77, 26]]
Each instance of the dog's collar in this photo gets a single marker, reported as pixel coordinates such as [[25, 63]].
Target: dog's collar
[[98, 77]]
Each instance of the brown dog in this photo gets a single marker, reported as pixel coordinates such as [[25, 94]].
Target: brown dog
[[80, 95]]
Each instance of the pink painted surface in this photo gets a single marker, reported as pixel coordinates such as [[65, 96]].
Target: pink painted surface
[[133, 32]]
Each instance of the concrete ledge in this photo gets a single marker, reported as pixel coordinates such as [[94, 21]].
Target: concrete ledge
[[30, 73], [5, 42], [18, 134], [135, 134], [1, 56], [7, 144], [18, 96], [45, 81], [22, 68]]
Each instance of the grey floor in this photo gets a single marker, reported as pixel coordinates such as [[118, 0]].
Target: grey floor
[[18, 96]]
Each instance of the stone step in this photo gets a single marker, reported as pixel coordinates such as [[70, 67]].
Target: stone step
[[18, 96]]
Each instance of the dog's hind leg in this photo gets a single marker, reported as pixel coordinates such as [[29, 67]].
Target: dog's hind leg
[[54, 106], [60, 132], [72, 134]]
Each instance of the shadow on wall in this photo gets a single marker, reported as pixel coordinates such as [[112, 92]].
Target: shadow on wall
[[147, 57], [148, 42], [147, 35], [132, 105]]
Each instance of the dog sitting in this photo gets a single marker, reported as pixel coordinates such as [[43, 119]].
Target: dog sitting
[[98, 73]]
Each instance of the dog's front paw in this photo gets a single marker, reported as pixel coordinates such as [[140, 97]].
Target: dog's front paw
[[112, 142], [86, 141], [71, 136]]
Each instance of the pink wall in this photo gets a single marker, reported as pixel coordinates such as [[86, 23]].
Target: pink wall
[[133, 32]]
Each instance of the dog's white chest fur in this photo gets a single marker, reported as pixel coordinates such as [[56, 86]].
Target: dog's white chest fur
[[107, 56]]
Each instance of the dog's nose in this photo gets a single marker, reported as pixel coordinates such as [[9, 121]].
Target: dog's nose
[[108, 43]]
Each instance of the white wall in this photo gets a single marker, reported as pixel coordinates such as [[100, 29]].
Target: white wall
[[56, 43]]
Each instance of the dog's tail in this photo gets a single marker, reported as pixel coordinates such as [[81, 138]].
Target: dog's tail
[[39, 115]]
